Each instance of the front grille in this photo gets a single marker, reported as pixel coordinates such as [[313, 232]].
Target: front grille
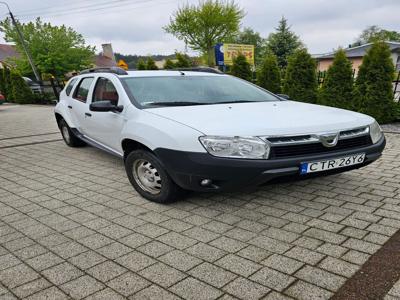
[[318, 148]]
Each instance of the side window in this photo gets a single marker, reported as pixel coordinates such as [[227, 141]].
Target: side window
[[82, 91], [70, 85], [105, 90]]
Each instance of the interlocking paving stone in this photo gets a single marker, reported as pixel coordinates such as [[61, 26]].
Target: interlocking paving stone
[[282, 263], [180, 260], [62, 273], [81, 287], [162, 274], [212, 275], [273, 279], [238, 265], [191, 288], [246, 289], [304, 291], [128, 284], [70, 215]]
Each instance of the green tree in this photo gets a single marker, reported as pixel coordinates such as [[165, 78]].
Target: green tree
[[301, 80], [337, 89], [169, 64], [269, 75], [241, 68], [374, 33], [141, 65], [183, 61], [206, 24], [250, 37], [283, 42], [374, 90], [56, 50], [150, 64], [20, 91]]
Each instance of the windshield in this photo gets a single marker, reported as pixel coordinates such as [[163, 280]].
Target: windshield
[[193, 90]]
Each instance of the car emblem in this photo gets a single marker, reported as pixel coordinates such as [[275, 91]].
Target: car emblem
[[329, 140]]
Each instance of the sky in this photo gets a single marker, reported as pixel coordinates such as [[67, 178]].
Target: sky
[[135, 26]]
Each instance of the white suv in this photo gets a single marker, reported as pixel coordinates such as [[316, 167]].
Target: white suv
[[204, 131]]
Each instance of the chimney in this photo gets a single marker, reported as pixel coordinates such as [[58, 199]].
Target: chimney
[[108, 51]]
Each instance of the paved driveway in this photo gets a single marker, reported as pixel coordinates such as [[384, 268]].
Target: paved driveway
[[71, 226]]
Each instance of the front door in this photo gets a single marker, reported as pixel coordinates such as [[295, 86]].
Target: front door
[[105, 127]]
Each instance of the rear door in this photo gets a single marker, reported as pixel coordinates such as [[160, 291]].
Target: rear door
[[79, 105]]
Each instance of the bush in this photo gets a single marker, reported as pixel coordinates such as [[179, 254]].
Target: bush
[[269, 76], [301, 80], [150, 64], [183, 61], [337, 89], [5, 83], [20, 90], [241, 68], [169, 64], [141, 65], [374, 90]]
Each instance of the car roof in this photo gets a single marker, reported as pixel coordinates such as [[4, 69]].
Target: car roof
[[162, 73]]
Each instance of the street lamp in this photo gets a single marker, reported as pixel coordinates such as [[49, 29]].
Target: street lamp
[[28, 55]]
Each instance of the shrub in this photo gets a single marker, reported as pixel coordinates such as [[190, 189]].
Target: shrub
[[301, 80], [169, 64], [20, 90], [5, 83], [150, 64], [241, 68], [183, 61], [269, 76], [374, 90], [141, 65], [337, 89]]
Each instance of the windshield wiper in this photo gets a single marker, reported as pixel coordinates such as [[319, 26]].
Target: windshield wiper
[[174, 103], [235, 101]]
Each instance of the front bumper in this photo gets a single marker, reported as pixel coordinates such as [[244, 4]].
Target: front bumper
[[187, 169]]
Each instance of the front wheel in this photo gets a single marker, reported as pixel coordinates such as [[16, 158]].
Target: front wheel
[[148, 177]]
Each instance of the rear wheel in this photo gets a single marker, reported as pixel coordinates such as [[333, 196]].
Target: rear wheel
[[69, 137], [148, 177]]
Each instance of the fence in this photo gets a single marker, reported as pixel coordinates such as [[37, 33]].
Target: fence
[[396, 83]]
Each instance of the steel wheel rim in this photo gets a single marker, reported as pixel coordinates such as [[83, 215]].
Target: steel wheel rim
[[147, 176], [65, 134]]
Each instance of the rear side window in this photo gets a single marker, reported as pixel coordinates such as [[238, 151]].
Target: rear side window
[[70, 85], [82, 91]]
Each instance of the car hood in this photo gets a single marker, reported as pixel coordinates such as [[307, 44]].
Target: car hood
[[263, 118]]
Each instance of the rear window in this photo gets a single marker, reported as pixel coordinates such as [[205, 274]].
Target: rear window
[[82, 91], [70, 85]]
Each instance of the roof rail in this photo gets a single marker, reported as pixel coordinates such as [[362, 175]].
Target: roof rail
[[200, 69], [114, 70]]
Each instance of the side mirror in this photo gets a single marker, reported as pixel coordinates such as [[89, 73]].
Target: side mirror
[[283, 96], [105, 105]]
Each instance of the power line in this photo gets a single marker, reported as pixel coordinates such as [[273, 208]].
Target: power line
[[52, 10], [44, 8], [90, 12], [102, 5]]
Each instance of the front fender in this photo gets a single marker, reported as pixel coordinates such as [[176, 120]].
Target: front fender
[[155, 132]]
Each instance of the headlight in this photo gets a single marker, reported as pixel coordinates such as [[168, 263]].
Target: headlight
[[375, 132], [235, 147]]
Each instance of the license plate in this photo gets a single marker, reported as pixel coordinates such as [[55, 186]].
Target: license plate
[[330, 164]]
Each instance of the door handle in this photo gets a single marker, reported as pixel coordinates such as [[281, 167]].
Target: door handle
[[88, 114], [69, 106]]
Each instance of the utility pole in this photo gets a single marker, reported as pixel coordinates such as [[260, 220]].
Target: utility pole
[[21, 37]]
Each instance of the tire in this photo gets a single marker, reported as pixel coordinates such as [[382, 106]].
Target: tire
[[149, 178], [69, 137]]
